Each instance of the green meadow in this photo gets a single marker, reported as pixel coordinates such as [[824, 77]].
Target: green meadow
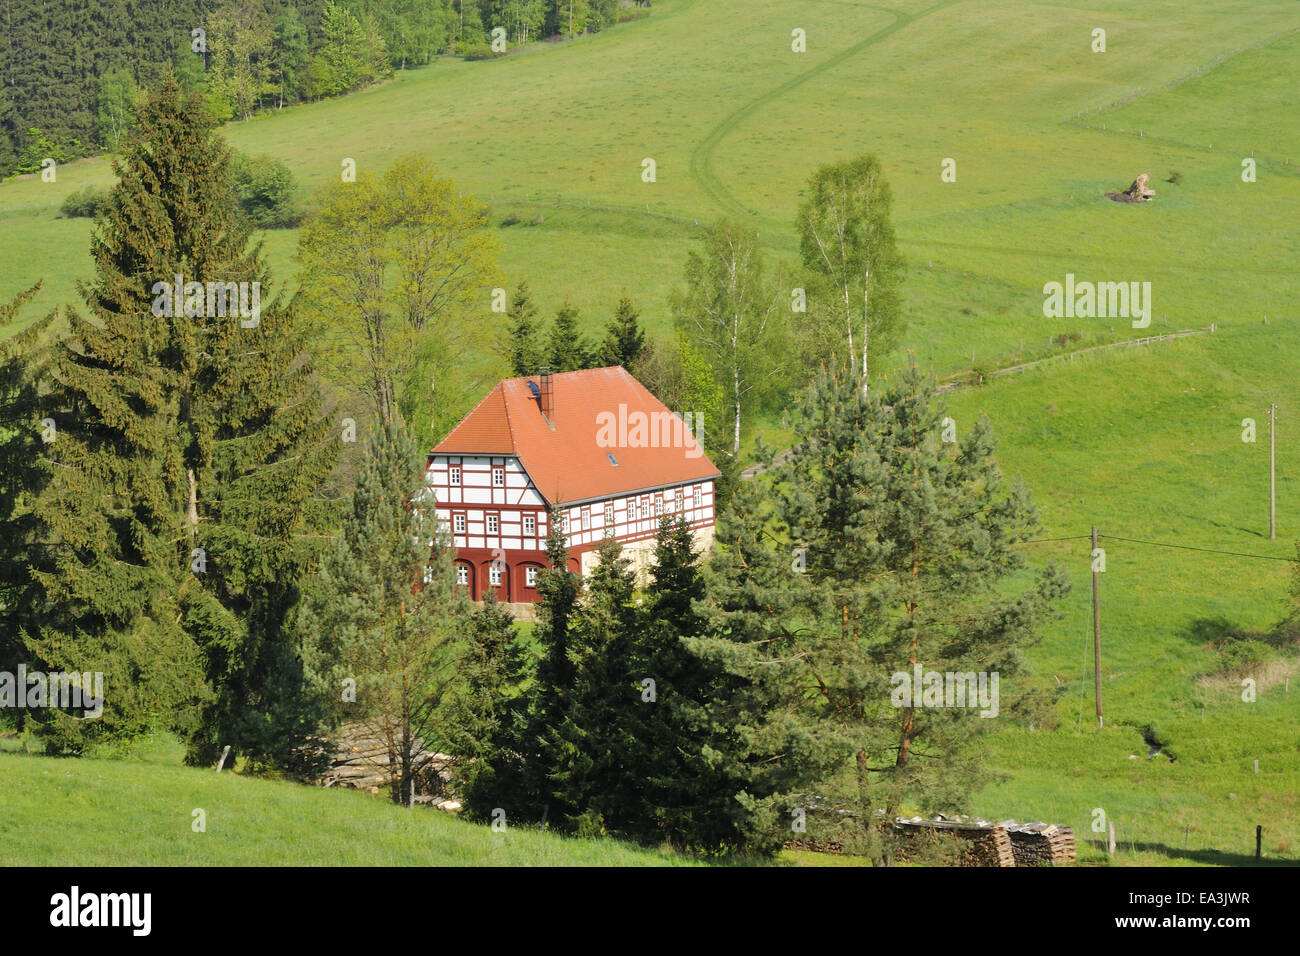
[[1143, 442], [142, 812]]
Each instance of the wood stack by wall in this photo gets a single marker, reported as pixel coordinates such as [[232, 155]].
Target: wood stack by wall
[[1041, 844], [987, 844]]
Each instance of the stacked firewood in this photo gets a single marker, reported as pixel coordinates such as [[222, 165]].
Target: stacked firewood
[[987, 844], [362, 762], [1041, 844]]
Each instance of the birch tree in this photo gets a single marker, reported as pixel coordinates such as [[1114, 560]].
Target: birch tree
[[730, 314]]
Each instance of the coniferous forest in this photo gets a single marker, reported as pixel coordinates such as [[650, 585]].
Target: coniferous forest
[[66, 89]]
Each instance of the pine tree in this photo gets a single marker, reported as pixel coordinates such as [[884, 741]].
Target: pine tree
[[385, 610], [902, 547], [523, 346], [624, 340], [181, 481], [565, 348]]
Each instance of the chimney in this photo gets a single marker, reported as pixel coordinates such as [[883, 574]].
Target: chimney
[[547, 397]]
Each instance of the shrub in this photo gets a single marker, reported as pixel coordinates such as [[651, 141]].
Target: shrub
[[265, 189], [478, 51], [83, 203], [1239, 655]]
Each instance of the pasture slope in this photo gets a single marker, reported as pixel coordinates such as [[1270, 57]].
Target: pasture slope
[[1145, 442]]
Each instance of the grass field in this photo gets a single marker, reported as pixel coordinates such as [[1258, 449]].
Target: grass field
[[1143, 442], [141, 812]]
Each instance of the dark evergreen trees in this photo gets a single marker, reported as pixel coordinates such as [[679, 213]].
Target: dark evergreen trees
[[566, 349], [482, 726], [180, 504], [624, 340], [23, 359], [523, 346], [901, 552]]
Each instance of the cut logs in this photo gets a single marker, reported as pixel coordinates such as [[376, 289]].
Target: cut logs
[[362, 762], [986, 844], [1041, 844]]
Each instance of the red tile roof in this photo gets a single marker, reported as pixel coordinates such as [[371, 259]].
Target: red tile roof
[[567, 462]]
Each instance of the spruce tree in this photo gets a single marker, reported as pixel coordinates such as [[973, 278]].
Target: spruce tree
[[23, 358], [594, 775], [681, 792], [624, 340], [482, 726], [523, 347], [566, 350], [754, 736], [531, 790], [189, 444], [382, 618]]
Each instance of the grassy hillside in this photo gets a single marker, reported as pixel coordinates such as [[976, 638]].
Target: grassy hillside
[[1144, 442], [141, 812]]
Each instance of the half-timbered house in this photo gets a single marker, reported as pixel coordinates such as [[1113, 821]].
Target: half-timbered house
[[594, 443]]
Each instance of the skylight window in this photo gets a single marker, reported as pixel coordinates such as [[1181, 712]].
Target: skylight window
[[612, 460]]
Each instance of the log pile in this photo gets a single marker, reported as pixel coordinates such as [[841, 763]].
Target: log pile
[[362, 762], [1041, 844], [987, 844]]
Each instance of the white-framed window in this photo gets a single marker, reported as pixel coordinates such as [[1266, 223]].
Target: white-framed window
[[428, 574], [696, 495], [585, 520], [453, 475], [530, 526], [462, 575], [498, 477], [632, 513], [530, 577], [680, 500], [564, 523], [659, 505], [458, 523], [493, 524], [494, 574], [645, 506], [609, 515]]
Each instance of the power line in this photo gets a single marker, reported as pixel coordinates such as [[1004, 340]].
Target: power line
[[1162, 544], [1188, 547]]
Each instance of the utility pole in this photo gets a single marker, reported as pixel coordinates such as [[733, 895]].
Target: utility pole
[[1272, 473], [1096, 625]]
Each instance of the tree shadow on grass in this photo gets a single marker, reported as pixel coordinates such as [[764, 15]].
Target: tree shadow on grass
[[1217, 630], [1204, 857]]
